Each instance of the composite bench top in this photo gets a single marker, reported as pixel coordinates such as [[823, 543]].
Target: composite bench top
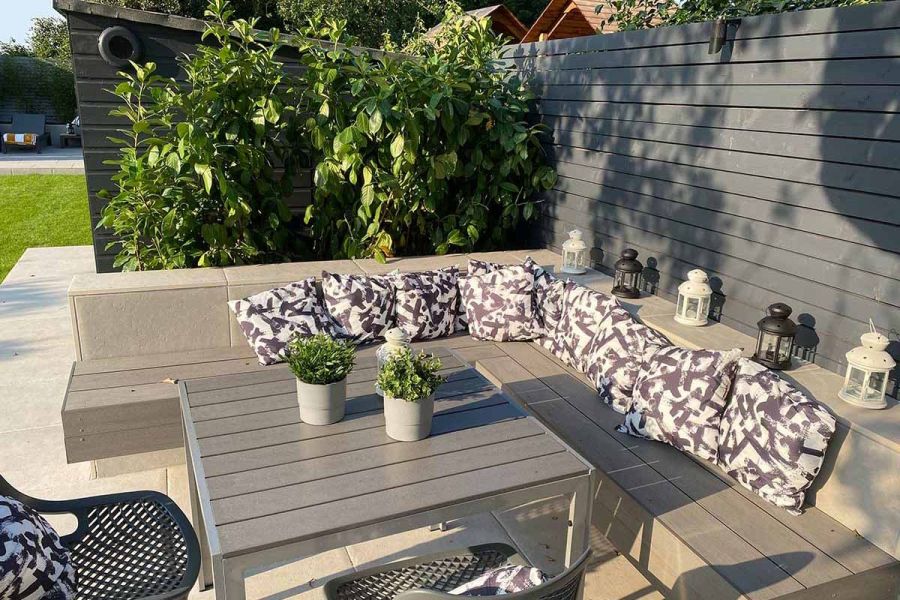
[[686, 524]]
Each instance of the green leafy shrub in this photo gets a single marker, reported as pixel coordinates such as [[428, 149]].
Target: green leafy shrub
[[418, 155], [410, 377], [199, 183], [320, 359]]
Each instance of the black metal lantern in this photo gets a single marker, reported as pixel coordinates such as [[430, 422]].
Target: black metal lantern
[[627, 278], [775, 343]]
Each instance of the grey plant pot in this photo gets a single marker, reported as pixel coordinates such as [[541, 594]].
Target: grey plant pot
[[322, 404], [408, 421]]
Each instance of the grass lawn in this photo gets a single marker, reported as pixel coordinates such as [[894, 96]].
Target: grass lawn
[[41, 210]]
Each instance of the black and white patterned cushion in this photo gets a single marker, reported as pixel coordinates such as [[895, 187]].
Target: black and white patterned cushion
[[502, 580], [499, 306], [475, 267], [427, 303], [361, 307], [270, 319], [548, 299], [34, 565], [583, 314], [772, 436], [679, 397], [616, 354]]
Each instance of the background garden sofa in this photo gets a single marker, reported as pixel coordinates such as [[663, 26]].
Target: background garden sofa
[[688, 526]]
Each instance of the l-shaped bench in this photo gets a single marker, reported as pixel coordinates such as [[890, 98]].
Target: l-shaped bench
[[688, 527]]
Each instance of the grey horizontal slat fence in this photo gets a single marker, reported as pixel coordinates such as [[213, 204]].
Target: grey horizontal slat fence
[[774, 165]]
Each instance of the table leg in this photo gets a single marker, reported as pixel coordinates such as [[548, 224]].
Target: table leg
[[205, 578], [579, 525], [234, 581]]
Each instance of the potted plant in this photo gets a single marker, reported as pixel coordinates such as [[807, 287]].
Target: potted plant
[[321, 365], [409, 382]]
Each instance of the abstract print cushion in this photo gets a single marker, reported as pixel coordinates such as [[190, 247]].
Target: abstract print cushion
[[34, 565], [548, 298], [679, 397], [498, 305], [772, 436], [427, 303], [616, 355], [361, 308], [476, 267], [502, 580], [270, 319], [583, 314]]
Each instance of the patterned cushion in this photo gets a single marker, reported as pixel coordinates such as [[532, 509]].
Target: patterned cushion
[[480, 267], [427, 303], [361, 308], [499, 305], [583, 313], [270, 319], [502, 580], [679, 397], [616, 354], [772, 436], [34, 565]]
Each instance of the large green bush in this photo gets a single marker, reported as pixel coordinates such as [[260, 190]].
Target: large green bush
[[417, 156], [204, 170], [412, 155]]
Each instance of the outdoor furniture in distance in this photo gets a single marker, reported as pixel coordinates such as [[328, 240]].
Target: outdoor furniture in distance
[[28, 132], [431, 577], [127, 546], [66, 138], [268, 489]]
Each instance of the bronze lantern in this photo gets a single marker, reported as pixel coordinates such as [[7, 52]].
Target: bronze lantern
[[627, 278], [775, 342]]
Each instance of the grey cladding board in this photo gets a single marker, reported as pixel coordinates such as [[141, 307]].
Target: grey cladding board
[[773, 164]]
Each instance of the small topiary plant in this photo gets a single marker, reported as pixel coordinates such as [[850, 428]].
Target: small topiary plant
[[320, 359], [410, 377]]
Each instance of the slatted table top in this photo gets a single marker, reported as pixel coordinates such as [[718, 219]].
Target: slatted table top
[[266, 479]]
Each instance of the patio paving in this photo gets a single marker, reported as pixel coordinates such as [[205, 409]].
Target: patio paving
[[51, 161], [35, 357]]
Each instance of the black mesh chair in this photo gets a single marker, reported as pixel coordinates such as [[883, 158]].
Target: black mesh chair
[[431, 577], [130, 546]]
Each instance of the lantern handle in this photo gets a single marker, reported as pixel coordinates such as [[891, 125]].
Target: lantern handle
[[872, 326]]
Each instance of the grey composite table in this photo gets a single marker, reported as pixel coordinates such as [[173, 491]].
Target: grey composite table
[[266, 488]]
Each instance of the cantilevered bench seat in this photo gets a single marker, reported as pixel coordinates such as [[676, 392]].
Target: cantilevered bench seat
[[689, 527]]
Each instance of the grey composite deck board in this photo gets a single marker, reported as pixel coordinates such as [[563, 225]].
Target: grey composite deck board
[[579, 163], [310, 469], [394, 503], [581, 132], [881, 127], [742, 239], [421, 470], [773, 532], [862, 71], [128, 363]]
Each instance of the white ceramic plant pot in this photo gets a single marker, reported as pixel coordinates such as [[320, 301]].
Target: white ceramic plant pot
[[408, 421], [322, 404]]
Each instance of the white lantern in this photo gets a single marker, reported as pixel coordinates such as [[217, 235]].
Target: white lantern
[[574, 254], [395, 340], [868, 367], [693, 299]]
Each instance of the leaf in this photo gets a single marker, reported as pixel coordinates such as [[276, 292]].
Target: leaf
[[368, 195], [375, 122], [206, 174], [456, 238], [397, 145]]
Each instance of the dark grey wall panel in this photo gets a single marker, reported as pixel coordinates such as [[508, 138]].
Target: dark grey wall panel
[[774, 165]]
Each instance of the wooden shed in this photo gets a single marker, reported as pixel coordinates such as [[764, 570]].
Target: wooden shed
[[503, 21], [566, 19]]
